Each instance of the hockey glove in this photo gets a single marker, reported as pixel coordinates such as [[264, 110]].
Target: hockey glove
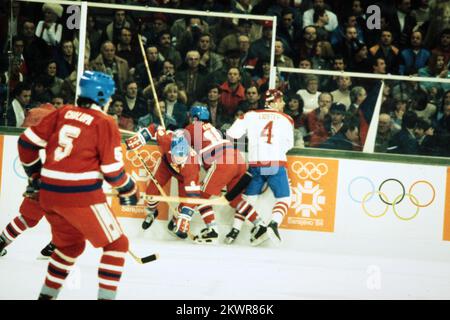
[[128, 193], [139, 139], [183, 222], [32, 190]]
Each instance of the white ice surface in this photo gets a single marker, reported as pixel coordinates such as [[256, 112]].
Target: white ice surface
[[190, 271]]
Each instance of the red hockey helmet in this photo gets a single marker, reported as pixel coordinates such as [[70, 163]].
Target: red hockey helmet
[[273, 95]]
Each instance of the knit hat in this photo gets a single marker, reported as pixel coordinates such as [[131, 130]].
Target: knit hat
[[54, 7]]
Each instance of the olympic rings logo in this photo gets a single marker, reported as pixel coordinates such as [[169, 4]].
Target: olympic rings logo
[[395, 201], [309, 170], [149, 158]]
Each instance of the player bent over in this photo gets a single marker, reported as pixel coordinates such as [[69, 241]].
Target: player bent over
[[225, 168], [82, 146], [30, 215], [177, 160], [270, 135]]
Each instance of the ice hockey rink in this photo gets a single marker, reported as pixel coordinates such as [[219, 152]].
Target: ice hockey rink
[[209, 272]]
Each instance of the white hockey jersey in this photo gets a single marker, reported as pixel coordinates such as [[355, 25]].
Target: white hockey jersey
[[270, 136]]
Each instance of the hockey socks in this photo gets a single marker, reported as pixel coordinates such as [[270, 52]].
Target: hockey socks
[[246, 210], [14, 229], [208, 216], [279, 210], [111, 268], [59, 268]]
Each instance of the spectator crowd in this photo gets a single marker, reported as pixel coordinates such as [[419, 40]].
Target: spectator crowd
[[224, 64]]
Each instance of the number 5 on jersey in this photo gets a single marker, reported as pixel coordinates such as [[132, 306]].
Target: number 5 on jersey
[[267, 132], [65, 140]]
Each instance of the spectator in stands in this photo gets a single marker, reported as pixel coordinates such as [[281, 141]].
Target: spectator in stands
[[320, 4], [127, 49], [179, 27], [289, 30], [231, 41], [307, 46], [294, 108], [154, 117], [346, 139], [318, 120], [58, 102], [401, 105], [320, 21], [189, 38], [166, 76], [252, 100], [193, 78], [232, 60], [357, 96], [436, 69], [135, 106], [167, 50], [385, 131], [155, 65], [415, 57], [107, 62], [386, 50], [443, 47], [404, 141], [261, 47], [279, 7], [40, 91], [282, 60], [402, 23], [210, 61], [422, 107], [159, 24], [173, 108], [54, 82], [310, 95], [342, 93], [338, 36], [360, 62], [66, 59], [124, 121], [242, 7], [421, 13], [378, 66], [246, 61], [218, 116], [112, 30], [49, 29], [337, 114], [15, 77], [94, 34], [443, 130], [232, 92], [18, 46], [36, 50], [323, 53], [15, 114], [262, 72], [426, 140], [348, 46]]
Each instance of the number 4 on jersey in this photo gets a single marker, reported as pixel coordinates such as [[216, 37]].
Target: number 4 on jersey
[[267, 132]]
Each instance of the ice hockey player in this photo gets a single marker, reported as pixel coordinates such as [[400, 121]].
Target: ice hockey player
[[225, 168], [270, 135], [177, 160], [83, 148]]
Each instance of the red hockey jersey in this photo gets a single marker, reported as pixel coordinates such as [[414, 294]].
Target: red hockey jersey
[[207, 141], [189, 173], [83, 147]]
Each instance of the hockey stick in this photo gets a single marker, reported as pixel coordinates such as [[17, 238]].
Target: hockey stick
[[155, 96], [144, 260]]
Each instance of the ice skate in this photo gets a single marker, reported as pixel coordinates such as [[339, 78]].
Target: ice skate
[[207, 235], [259, 235], [151, 216], [47, 251], [2, 247], [231, 236], [272, 227]]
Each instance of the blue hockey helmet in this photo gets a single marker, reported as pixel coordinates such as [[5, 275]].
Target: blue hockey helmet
[[179, 147], [200, 112], [97, 86]]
